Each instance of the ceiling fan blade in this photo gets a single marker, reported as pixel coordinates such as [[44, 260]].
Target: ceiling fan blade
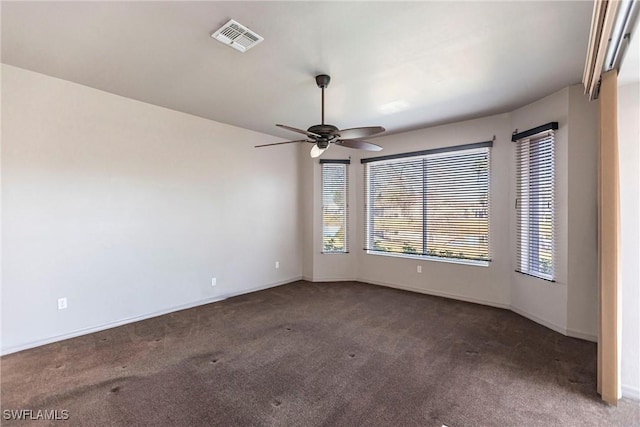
[[317, 151], [304, 132], [363, 132], [280, 143], [358, 144]]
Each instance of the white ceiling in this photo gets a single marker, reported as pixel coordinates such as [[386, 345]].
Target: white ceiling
[[401, 65]]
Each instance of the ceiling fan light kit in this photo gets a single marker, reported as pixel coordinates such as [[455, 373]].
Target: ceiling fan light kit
[[323, 135]]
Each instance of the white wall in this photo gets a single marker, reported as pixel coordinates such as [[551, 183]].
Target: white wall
[[568, 305], [129, 209], [487, 285], [537, 299], [307, 210], [582, 198], [328, 267], [629, 152], [629, 145]]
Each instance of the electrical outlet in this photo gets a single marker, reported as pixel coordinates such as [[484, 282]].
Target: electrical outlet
[[419, 269], [277, 264], [213, 281], [62, 303]]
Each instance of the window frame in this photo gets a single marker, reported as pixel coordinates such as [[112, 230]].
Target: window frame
[[345, 220], [425, 154]]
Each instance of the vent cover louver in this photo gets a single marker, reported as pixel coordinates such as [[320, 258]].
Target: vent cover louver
[[237, 36]]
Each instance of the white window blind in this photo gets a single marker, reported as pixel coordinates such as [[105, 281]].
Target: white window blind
[[335, 208], [432, 204], [535, 203]]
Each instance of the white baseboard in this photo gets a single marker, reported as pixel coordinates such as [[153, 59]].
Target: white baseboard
[[262, 288], [436, 293], [114, 324], [630, 392], [550, 325], [564, 331], [330, 279], [582, 335], [539, 320]]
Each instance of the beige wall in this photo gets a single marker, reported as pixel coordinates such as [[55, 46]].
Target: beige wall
[[330, 267], [129, 209], [582, 251], [568, 305], [487, 285], [540, 300], [308, 209]]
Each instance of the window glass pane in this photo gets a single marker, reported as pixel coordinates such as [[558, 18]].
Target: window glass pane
[[334, 207], [457, 206], [396, 207], [435, 205], [535, 203]]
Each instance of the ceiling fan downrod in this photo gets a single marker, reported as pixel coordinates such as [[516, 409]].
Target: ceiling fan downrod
[[322, 80], [323, 105]]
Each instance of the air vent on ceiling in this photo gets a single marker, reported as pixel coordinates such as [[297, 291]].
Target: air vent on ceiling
[[237, 36]]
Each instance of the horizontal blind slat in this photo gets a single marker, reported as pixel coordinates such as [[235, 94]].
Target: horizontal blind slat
[[432, 205], [535, 163], [335, 212]]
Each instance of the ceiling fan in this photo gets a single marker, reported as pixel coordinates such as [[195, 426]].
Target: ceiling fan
[[323, 135]]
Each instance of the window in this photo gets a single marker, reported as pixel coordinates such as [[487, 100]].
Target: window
[[432, 204], [335, 208], [535, 201]]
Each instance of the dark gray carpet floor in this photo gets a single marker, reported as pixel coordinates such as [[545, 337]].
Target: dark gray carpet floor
[[330, 354]]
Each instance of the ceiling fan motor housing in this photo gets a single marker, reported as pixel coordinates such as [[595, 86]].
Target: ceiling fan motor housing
[[327, 134], [326, 131]]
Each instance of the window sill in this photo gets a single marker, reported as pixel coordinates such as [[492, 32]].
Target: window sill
[[335, 253], [537, 276], [431, 258]]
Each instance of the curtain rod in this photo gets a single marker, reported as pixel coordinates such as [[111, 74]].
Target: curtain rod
[[430, 151], [521, 135]]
